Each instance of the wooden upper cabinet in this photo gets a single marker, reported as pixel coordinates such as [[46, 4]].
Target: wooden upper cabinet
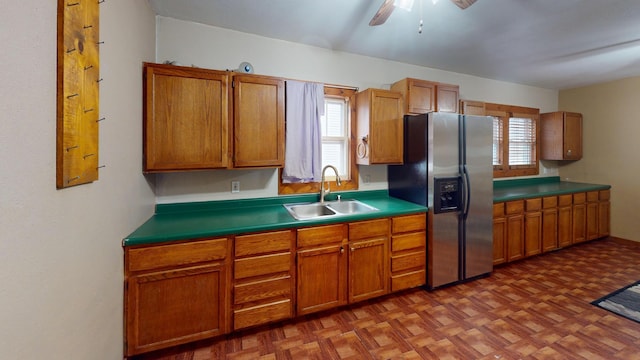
[[422, 96], [447, 98], [561, 136], [185, 118], [258, 121], [469, 107], [380, 127]]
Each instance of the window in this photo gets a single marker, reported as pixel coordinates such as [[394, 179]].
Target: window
[[522, 142], [337, 148], [515, 140], [335, 135]]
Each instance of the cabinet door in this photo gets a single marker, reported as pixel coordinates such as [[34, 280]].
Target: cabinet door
[[422, 97], [499, 234], [499, 240], [321, 278], [472, 108], [447, 98], [565, 226], [171, 307], [515, 237], [550, 229], [591, 220], [604, 209], [185, 118], [604, 213], [572, 136], [533, 233], [380, 123], [258, 121], [579, 223], [368, 269]]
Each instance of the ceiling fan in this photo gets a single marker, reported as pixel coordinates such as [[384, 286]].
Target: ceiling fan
[[388, 5]]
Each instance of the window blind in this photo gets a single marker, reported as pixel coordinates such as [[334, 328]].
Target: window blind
[[498, 140], [522, 142], [335, 136]]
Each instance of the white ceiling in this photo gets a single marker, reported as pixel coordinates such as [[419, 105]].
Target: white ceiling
[[555, 44]]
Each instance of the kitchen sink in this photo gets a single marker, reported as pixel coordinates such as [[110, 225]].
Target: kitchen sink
[[310, 211]]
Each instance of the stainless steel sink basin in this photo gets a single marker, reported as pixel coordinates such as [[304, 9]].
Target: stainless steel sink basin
[[310, 211], [350, 207]]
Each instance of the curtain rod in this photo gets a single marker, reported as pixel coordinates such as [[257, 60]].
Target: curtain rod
[[342, 87]]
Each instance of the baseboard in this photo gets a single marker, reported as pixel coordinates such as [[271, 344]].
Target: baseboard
[[623, 241]]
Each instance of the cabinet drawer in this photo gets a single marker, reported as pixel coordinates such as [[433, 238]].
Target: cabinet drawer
[[322, 235], [579, 198], [408, 261], [592, 196], [262, 265], [262, 290], [409, 241], [185, 253], [604, 195], [409, 223], [515, 207], [498, 210], [368, 229], [262, 314], [263, 243], [533, 204], [565, 200], [408, 280], [549, 202]]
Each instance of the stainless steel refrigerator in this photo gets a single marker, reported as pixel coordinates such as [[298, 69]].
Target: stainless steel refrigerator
[[448, 167]]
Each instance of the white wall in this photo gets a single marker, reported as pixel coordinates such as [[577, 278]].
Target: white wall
[[216, 48], [611, 124], [61, 266]]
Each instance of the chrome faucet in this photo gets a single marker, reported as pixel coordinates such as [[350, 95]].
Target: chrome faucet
[[324, 192]]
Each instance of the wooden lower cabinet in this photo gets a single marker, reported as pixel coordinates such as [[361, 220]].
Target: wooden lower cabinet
[[533, 227], [176, 293], [368, 259], [549, 223], [591, 219], [565, 220], [180, 292], [604, 213], [321, 268], [523, 228], [408, 251], [515, 229], [579, 218], [264, 281], [499, 234]]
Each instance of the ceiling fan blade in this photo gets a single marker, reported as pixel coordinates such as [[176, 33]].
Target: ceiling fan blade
[[463, 4], [383, 13]]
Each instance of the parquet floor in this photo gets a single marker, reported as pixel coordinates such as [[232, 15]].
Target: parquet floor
[[538, 308]]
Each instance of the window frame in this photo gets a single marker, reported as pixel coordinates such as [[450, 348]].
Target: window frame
[[505, 112], [348, 94]]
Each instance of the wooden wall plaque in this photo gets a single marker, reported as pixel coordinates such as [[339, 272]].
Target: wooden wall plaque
[[78, 80]]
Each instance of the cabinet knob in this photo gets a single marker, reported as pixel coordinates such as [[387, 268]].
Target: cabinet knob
[[569, 152], [341, 249]]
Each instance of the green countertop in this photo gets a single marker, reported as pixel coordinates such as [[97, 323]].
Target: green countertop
[[507, 190], [230, 217]]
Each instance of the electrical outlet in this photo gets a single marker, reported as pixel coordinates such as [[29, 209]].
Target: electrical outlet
[[235, 186], [366, 179]]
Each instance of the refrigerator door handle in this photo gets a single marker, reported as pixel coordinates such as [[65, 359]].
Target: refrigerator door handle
[[467, 191]]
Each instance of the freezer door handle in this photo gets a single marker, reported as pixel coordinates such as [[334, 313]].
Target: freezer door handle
[[467, 191]]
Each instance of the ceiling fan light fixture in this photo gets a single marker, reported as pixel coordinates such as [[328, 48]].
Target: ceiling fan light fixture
[[403, 4]]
